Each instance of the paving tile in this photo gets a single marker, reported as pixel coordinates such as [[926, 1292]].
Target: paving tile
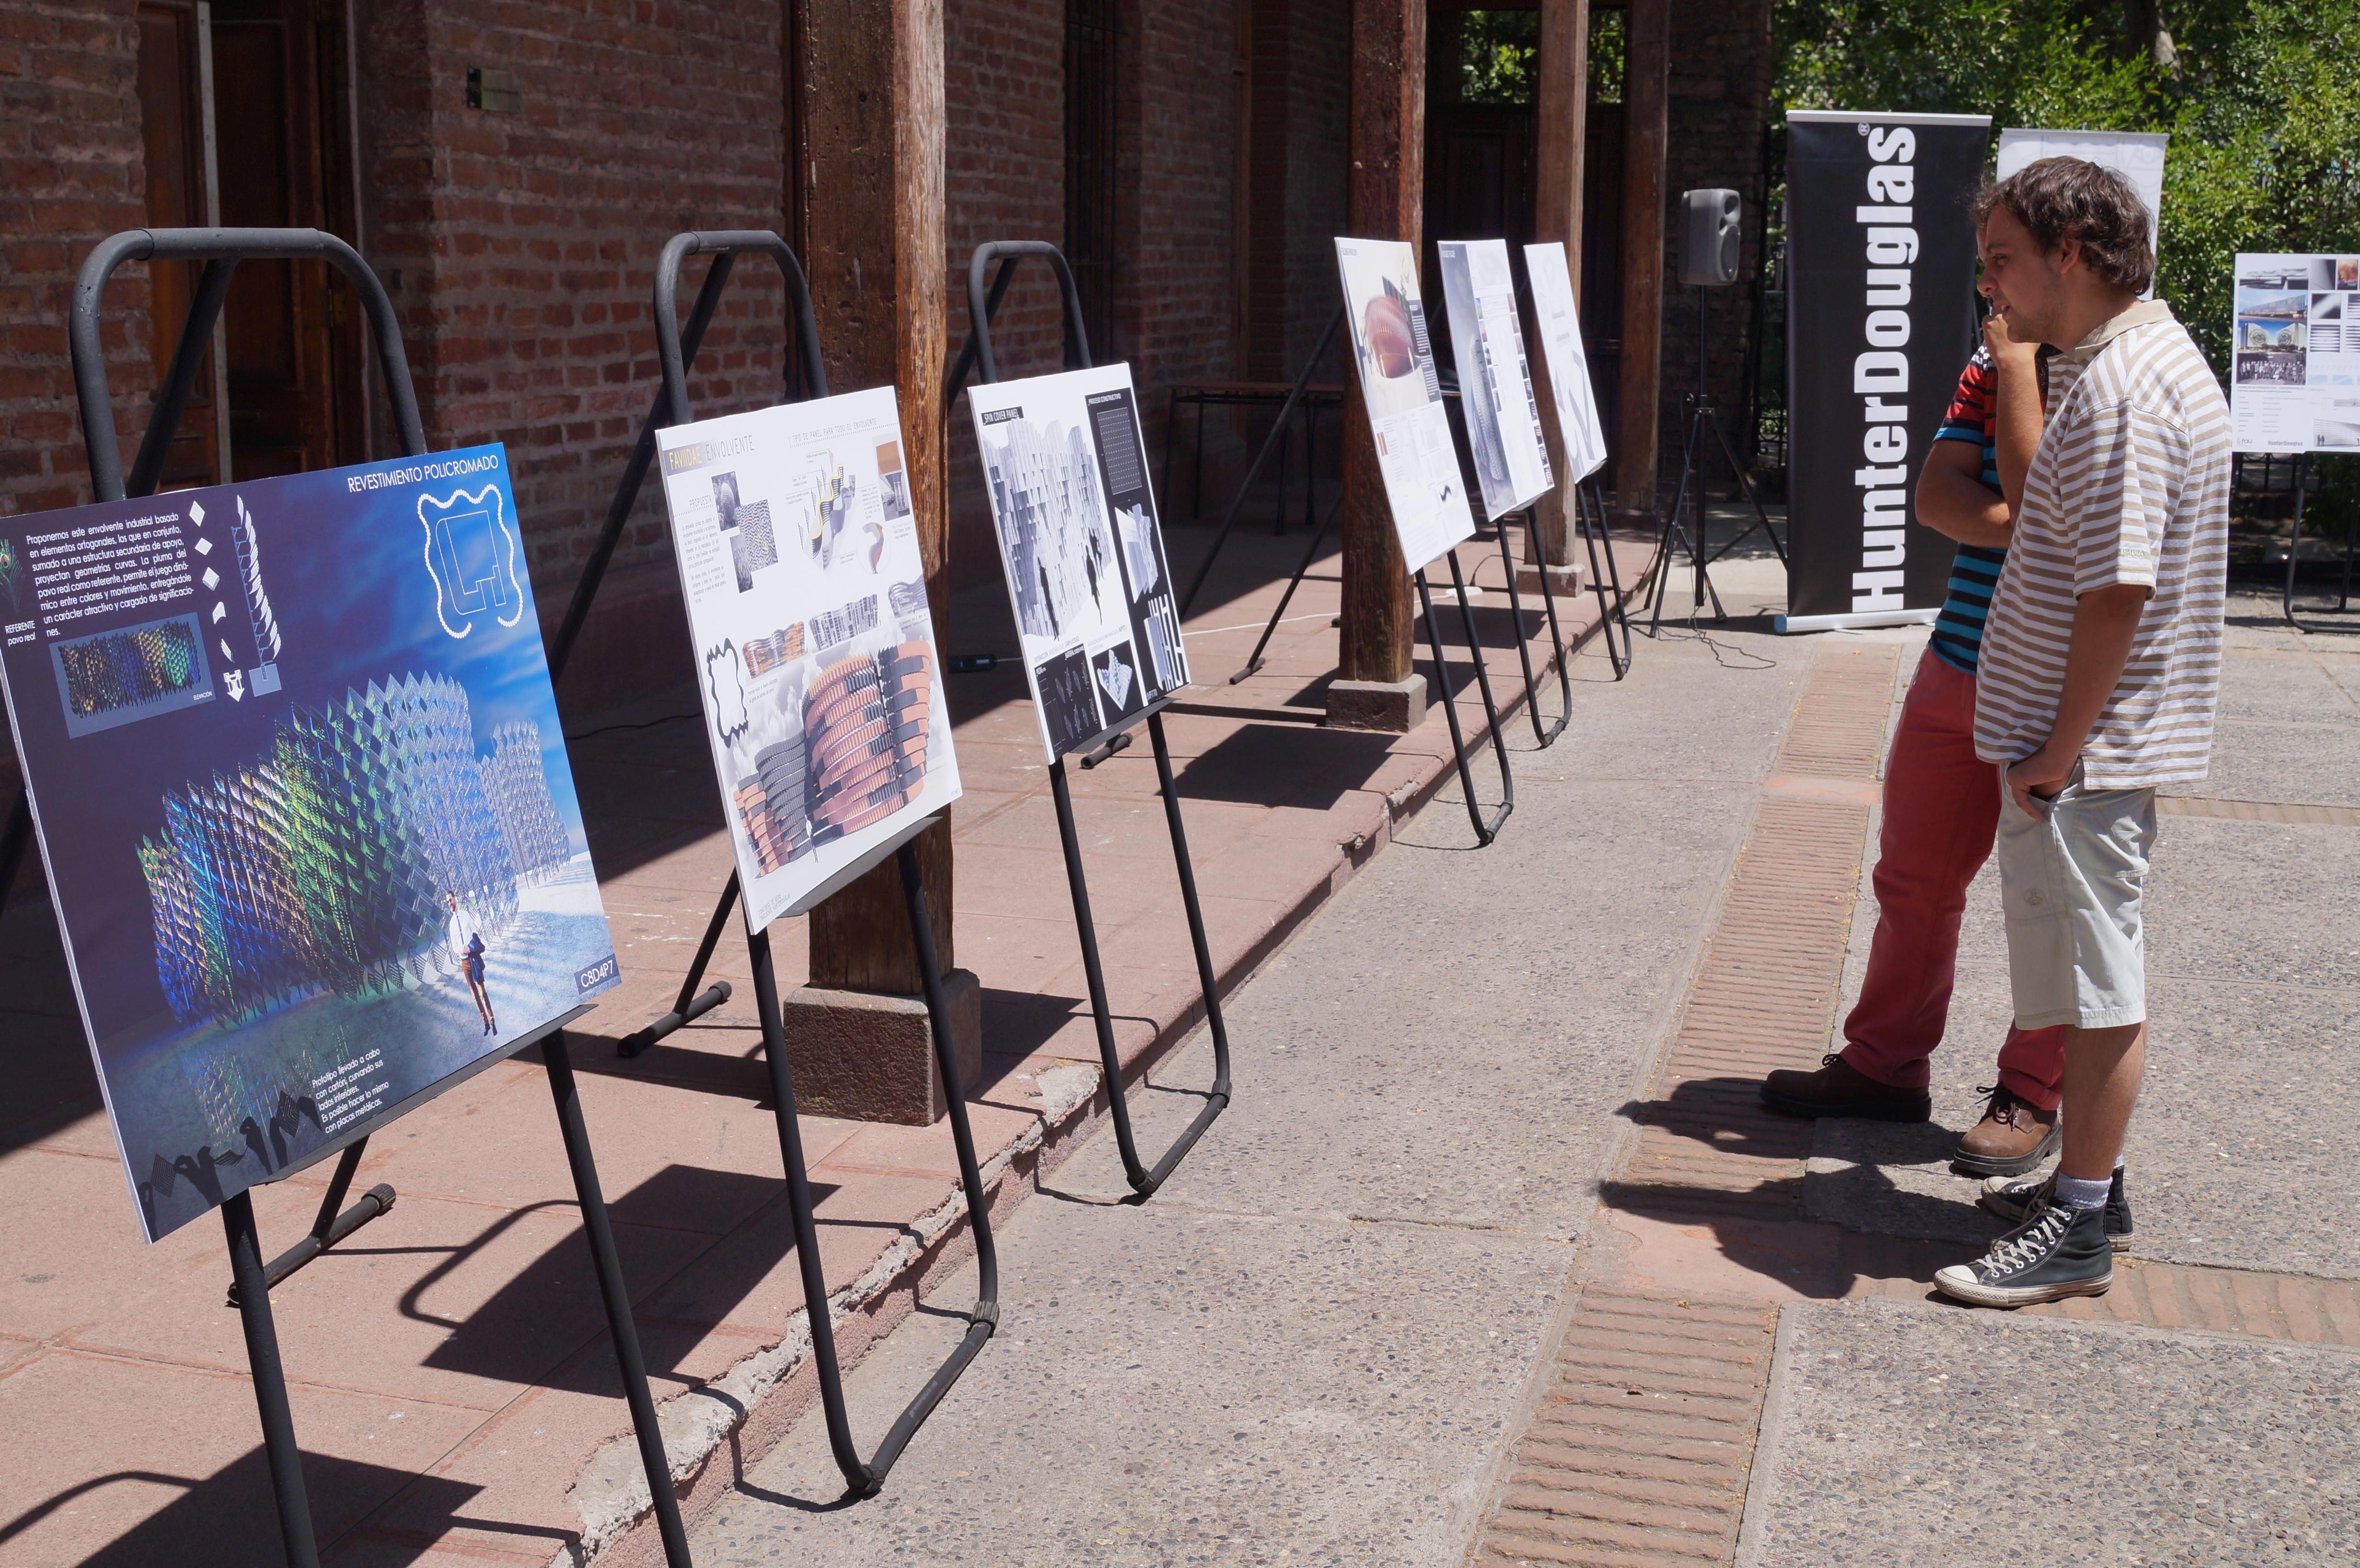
[[508, 1152], [182, 1480]]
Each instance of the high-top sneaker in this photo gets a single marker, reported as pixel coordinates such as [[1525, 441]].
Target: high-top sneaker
[[2016, 1200], [2059, 1252]]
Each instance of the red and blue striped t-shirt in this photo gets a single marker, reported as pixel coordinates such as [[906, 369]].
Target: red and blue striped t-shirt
[[1974, 416]]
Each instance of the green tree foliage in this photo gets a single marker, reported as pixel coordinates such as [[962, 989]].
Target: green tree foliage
[[2261, 99]]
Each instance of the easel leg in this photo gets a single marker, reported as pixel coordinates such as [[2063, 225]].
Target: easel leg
[[689, 1006], [1617, 612], [1276, 616], [1093, 979], [863, 1479], [617, 1297], [1557, 633], [857, 1475], [1485, 831], [279, 1446], [1541, 735]]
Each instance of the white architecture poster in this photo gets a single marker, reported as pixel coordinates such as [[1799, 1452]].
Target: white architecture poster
[[1414, 452], [1496, 386], [1088, 577], [1568, 365], [2294, 381], [2136, 156], [806, 599]]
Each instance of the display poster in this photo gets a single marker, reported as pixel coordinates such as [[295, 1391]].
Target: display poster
[[1423, 488], [303, 801], [807, 596], [2136, 156], [2294, 379], [1880, 322], [1081, 549], [1569, 365], [1496, 386]]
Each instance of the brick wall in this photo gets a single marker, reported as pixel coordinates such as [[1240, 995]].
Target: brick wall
[[1720, 94], [524, 247], [1004, 145], [1175, 311], [71, 172]]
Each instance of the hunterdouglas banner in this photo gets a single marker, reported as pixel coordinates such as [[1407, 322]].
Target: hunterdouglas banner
[[1880, 320]]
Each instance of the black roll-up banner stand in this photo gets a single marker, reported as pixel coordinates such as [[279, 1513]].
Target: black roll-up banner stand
[[1880, 320]]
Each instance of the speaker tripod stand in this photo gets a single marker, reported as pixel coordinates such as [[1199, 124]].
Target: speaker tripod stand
[[1702, 415]]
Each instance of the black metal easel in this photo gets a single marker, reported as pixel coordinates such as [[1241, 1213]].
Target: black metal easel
[[2294, 556], [1253, 470], [676, 351], [250, 1279], [1587, 501], [978, 353]]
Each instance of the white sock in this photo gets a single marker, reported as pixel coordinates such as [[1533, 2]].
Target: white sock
[[2076, 1193], [2118, 1162]]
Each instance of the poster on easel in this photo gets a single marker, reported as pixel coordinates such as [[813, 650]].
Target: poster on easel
[[1495, 384], [1082, 551], [303, 801], [1569, 365], [1423, 488], [797, 544], [2294, 376]]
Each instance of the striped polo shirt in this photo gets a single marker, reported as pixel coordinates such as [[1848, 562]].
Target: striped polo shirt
[[2130, 485], [1974, 416]]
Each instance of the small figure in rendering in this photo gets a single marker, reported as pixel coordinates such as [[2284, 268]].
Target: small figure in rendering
[[467, 948]]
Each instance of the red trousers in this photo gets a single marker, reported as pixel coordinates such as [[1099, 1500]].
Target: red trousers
[[1941, 811]]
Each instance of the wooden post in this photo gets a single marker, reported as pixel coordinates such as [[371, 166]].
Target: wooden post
[[866, 139], [1644, 92], [1375, 687], [1561, 158]]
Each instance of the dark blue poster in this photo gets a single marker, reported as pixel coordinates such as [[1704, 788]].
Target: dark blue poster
[[303, 803]]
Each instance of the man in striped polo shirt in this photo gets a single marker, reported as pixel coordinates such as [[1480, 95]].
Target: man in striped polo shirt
[[1940, 810], [2099, 667]]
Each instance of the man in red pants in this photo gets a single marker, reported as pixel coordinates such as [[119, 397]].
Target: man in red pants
[[1940, 811]]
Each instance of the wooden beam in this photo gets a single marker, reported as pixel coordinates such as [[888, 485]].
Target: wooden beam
[[1383, 199], [1561, 156], [1645, 95], [866, 134]]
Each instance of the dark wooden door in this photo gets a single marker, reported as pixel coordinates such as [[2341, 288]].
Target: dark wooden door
[[1479, 186], [1601, 263], [294, 345], [172, 130]]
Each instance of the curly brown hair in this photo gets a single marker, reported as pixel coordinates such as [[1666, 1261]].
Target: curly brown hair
[[2058, 198]]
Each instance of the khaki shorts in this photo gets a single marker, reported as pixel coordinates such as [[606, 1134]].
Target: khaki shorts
[[2070, 880]]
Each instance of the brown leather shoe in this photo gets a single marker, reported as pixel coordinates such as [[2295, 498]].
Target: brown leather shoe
[[1839, 1089], [2013, 1136]]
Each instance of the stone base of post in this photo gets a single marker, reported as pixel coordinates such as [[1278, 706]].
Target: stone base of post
[[868, 1058], [1395, 707]]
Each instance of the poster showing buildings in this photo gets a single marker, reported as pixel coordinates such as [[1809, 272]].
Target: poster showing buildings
[[1568, 365], [1496, 386], [807, 596], [2294, 380], [303, 801], [1423, 488], [1083, 550]]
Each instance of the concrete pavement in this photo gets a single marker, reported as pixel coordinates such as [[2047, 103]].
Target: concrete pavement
[[1427, 1295]]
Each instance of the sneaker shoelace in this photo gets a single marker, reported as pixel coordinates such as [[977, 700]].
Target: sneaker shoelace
[[2026, 1244]]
